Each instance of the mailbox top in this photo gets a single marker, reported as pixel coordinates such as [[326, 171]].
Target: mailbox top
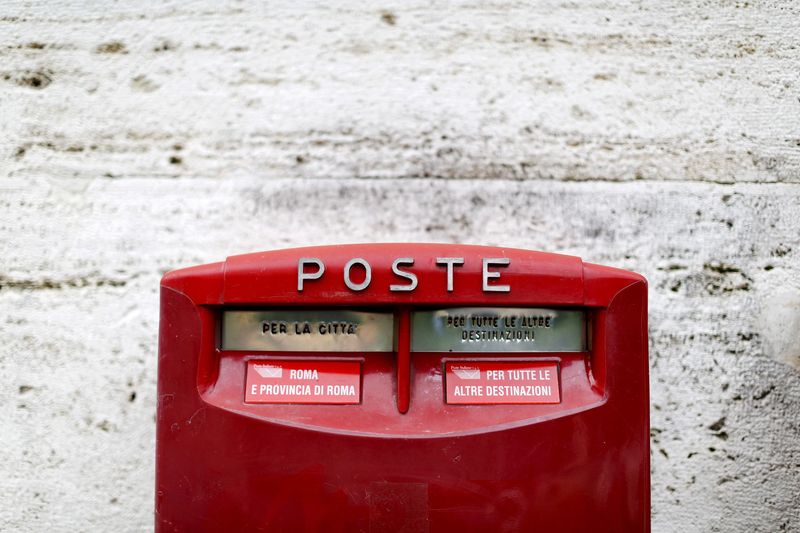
[[397, 274]]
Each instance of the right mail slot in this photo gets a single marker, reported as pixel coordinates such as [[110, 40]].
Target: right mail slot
[[498, 329]]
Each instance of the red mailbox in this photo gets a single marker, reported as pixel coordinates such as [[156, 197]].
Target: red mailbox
[[403, 387]]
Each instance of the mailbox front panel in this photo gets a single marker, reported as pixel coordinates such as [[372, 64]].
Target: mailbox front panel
[[403, 387]]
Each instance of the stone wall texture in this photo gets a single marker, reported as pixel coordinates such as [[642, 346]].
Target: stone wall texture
[[659, 136]]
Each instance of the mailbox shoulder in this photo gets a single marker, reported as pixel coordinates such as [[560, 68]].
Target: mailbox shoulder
[[602, 283], [202, 284]]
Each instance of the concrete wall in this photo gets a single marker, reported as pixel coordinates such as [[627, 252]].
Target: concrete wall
[[657, 136]]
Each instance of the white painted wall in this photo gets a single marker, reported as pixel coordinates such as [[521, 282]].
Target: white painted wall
[[657, 136]]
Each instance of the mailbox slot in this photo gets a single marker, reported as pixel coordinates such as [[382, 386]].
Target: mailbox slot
[[381, 361], [464, 329], [307, 330]]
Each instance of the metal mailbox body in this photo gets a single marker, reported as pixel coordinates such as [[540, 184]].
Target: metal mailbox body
[[401, 451]]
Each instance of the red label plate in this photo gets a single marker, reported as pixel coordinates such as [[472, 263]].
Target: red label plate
[[334, 382], [496, 382]]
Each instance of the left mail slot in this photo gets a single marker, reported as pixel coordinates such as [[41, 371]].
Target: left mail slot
[[303, 381], [307, 330]]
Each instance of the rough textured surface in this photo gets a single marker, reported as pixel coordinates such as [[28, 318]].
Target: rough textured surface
[[659, 137], [608, 90]]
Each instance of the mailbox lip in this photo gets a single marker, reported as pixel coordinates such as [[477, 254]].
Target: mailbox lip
[[244, 356], [593, 285], [515, 425], [272, 276]]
